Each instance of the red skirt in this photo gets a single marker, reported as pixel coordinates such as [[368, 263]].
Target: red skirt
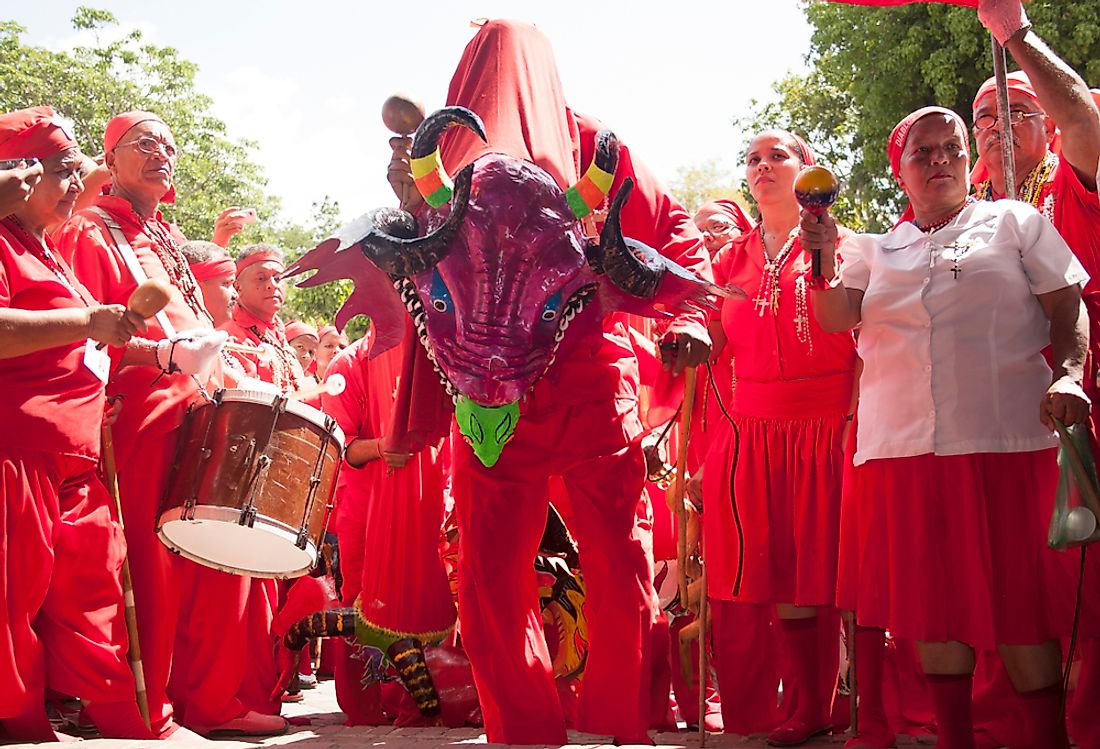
[[953, 548], [787, 485]]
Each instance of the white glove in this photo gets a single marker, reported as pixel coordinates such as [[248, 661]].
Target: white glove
[[1004, 18], [190, 352]]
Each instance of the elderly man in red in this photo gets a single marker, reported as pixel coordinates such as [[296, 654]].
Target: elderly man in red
[[112, 246], [1056, 148], [60, 549]]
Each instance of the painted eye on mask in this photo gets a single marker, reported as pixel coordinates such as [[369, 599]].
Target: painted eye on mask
[[441, 297], [550, 311]]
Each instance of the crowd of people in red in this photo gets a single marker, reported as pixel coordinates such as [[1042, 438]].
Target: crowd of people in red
[[873, 461]]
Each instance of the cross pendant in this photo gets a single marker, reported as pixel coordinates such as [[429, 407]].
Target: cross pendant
[[761, 304]]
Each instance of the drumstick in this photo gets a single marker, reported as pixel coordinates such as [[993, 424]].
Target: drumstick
[[263, 351], [702, 652], [334, 385], [110, 471], [148, 299]]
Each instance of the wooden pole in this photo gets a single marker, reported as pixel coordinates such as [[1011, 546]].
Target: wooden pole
[[702, 652], [111, 479], [678, 492], [1008, 157]]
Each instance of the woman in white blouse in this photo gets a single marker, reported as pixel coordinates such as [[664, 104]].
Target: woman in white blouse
[[955, 470]]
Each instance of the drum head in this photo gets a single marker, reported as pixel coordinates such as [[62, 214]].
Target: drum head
[[215, 539]]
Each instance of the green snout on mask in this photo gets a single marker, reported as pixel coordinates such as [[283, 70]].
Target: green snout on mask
[[487, 429]]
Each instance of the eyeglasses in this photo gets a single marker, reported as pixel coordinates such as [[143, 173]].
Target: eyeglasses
[[717, 227], [1015, 117], [151, 146]]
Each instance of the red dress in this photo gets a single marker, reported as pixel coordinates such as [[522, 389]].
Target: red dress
[[794, 390], [61, 552]]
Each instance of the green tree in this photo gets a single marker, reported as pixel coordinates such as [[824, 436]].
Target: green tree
[[869, 67], [91, 84], [700, 183]]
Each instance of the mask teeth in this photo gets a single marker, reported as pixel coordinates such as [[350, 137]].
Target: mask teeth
[[573, 307], [407, 291]]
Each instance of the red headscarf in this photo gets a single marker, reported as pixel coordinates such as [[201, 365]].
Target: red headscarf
[[258, 257], [296, 328], [208, 269], [730, 210], [121, 124], [325, 330], [898, 138], [35, 133], [521, 102]]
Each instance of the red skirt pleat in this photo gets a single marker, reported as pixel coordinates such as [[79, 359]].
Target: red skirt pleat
[[787, 486], [943, 548]]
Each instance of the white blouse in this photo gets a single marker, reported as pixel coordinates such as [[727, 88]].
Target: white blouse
[[952, 332]]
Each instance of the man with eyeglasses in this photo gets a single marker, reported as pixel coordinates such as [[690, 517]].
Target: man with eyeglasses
[[112, 245], [1056, 144]]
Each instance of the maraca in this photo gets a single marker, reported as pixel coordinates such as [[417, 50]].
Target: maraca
[[148, 299], [402, 115], [816, 189], [1080, 524]]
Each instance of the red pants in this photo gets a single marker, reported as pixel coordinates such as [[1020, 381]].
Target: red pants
[[61, 612], [501, 515], [222, 646]]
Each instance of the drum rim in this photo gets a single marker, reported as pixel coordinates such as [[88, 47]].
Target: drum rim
[[298, 408], [230, 515]]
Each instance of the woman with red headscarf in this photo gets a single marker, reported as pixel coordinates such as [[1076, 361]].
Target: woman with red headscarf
[[784, 457], [954, 474], [61, 551]]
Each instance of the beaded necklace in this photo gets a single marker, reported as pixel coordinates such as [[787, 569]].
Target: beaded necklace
[[767, 298], [42, 251], [1031, 191], [934, 227], [282, 369], [176, 266]]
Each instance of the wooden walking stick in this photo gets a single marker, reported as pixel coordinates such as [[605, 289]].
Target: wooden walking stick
[[678, 486], [1008, 158], [702, 650], [111, 479]]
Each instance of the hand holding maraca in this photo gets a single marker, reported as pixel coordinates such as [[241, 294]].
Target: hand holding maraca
[[816, 189]]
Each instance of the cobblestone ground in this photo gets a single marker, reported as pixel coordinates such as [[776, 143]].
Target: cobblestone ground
[[323, 728]]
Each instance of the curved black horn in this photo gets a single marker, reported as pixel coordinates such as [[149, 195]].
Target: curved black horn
[[593, 187], [431, 178], [633, 266], [391, 242]]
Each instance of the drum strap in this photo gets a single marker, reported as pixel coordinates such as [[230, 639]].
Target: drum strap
[[132, 264]]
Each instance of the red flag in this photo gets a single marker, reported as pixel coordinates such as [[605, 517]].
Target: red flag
[[967, 3]]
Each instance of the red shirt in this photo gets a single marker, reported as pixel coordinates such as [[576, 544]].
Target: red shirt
[[282, 368], [769, 347], [152, 401], [52, 402]]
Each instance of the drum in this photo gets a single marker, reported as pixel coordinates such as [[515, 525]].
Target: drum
[[251, 485]]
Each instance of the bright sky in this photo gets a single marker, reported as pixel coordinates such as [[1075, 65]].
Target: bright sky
[[306, 80]]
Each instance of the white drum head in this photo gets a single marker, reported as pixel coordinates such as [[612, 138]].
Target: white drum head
[[216, 539]]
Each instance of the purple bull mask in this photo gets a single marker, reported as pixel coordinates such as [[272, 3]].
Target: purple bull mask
[[502, 272]]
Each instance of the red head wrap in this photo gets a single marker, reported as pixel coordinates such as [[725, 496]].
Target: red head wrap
[[900, 135], [258, 257], [809, 158], [207, 269], [1017, 81], [296, 328], [36, 133], [730, 210], [121, 124], [325, 330]]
